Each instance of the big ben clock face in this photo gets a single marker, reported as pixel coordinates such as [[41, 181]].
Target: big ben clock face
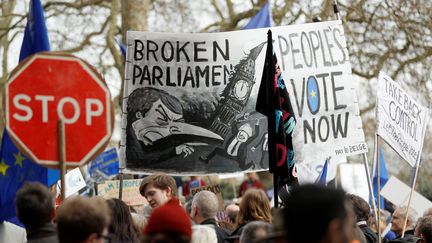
[[241, 89]]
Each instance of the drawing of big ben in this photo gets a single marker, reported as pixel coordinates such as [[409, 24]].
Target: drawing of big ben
[[236, 94]]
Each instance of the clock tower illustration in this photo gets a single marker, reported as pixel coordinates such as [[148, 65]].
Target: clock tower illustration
[[236, 94]]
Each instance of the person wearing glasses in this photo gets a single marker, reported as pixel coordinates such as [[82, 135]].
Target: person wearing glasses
[[83, 220]]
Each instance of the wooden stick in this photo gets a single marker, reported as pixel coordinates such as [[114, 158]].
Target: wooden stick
[[410, 197], [374, 209], [378, 159], [62, 157], [121, 184]]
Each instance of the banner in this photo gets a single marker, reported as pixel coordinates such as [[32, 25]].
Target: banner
[[401, 121], [131, 195], [189, 99]]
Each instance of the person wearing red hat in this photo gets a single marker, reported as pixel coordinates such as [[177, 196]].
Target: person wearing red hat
[[168, 223]]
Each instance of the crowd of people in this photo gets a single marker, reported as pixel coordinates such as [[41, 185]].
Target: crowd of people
[[311, 214]]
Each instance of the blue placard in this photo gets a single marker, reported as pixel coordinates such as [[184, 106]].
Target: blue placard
[[107, 163]]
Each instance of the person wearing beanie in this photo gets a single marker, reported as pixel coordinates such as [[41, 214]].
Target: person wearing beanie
[[168, 223]]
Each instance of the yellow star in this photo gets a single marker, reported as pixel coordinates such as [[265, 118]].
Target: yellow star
[[3, 167], [313, 94], [19, 159]]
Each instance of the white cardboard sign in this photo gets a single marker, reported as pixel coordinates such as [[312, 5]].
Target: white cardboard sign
[[398, 192], [401, 121]]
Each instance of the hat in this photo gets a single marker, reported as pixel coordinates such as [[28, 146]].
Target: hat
[[171, 218]]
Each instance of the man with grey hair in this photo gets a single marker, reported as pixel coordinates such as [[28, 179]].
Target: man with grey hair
[[397, 222], [204, 209], [255, 231]]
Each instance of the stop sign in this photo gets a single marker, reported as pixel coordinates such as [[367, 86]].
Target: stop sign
[[47, 87]]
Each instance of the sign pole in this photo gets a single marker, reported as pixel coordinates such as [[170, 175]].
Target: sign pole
[[61, 154], [275, 190], [378, 159], [121, 184], [410, 197], [366, 165]]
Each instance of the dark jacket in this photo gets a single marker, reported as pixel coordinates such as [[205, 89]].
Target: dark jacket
[[370, 236], [220, 233], [44, 234], [408, 238]]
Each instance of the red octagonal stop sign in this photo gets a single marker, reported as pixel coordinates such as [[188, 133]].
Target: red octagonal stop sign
[[50, 86]]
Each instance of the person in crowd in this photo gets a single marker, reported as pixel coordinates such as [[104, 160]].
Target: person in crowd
[[397, 222], [194, 182], [231, 211], [12, 233], [316, 214], [362, 213], [358, 236], [385, 218], [36, 210], [204, 209], [83, 220], [427, 212], [121, 225], [188, 207], [158, 188], [424, 229], [168, 223], [255, 231], [203, 234], [252, 181], [227, 219], [254, 206], [140, 221]]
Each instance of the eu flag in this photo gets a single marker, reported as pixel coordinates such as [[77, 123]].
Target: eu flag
[[273, 101], [322, 179], [261, 20], [15, 168], [383, 178], [35, 33]]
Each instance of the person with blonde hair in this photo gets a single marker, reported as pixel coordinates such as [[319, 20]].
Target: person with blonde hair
[[254, 206]]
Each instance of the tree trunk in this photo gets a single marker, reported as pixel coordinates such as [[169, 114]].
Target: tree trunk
[[134, 17]]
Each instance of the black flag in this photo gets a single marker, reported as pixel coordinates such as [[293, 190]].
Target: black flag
[[273, 101]]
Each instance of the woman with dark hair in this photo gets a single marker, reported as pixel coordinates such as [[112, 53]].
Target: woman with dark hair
[[254, 206], [122, 226]]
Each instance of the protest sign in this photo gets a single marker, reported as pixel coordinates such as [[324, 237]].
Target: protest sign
[[131, 195], [398, 192], [189, 99], [353, 179], [74, 182], [401, 121], [105, 165]]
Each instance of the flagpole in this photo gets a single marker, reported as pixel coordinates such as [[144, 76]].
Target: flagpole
[[369, 181], [410, 196], [61, 155], [275, 190], [378, 159], [336, 9], [121, 184]]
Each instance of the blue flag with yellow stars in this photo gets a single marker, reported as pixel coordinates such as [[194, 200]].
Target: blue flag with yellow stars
[[15, 169]]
